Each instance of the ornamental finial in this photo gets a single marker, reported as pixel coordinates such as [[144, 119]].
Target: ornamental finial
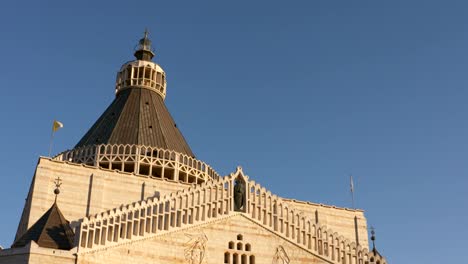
[[373, 239], [144, 51], [57, 182]]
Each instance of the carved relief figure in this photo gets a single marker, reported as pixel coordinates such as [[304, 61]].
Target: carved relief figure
[[280, 256], [239, 195], [195, 249]]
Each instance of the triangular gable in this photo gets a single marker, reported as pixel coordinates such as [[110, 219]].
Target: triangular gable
[[209, 241], [210, 201]]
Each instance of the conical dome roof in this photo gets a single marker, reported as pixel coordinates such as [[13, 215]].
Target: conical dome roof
[[138, 115]]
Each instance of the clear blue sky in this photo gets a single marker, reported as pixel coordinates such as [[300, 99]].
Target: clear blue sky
[[299, 93]]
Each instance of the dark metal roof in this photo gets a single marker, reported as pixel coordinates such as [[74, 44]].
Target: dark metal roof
[[52, 230], [138, 117]]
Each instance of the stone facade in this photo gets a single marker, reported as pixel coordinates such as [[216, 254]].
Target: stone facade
[[34, 254], [87, 190], [117, 221], [350, 223], [227, 240]]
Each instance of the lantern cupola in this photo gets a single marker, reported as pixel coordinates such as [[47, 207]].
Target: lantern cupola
[[142, 72]]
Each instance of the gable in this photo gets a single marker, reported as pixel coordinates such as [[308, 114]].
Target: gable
[[210, 202], [221, 241]]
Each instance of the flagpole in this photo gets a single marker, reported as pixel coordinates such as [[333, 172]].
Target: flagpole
[[352, 191], [356, 226], [51, 141]]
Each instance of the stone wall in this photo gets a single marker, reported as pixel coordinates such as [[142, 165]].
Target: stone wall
[[90, 190], [213, 243], [87, 190], [341, 220], [33, 254]]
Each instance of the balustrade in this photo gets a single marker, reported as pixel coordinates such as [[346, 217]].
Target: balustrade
[[142, 160], [212, 200]]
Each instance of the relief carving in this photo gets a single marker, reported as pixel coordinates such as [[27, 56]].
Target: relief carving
[[195, 249], [280, 257]]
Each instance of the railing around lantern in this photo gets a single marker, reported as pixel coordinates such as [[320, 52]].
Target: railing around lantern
[[147, 76], [142, 160]]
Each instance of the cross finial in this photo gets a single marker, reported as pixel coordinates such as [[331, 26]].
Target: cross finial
[[58, 183], [373, 238], [143, 50]]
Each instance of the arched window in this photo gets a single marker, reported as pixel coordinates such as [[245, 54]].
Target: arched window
[[244, 259], [247, 247], [239, 246], [236, 252], [235, 258]]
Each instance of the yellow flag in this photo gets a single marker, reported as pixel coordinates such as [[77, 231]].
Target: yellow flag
[[56, 126]]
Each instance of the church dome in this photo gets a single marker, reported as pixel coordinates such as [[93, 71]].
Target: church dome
[[136, 133], [138, 115]]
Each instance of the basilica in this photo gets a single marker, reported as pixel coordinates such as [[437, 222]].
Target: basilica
[[132, 191]]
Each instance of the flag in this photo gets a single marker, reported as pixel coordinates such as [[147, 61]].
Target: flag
[[351, 183], [56, 126]]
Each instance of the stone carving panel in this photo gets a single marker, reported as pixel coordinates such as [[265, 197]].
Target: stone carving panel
[[195, 249], [280, 257]]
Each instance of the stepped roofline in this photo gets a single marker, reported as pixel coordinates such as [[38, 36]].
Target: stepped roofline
[[186, 208]]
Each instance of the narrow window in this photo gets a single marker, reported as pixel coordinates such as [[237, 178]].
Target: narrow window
[[239, 246], [135, 72], [141, 70], [148, 73], [158, 78], [244, 259]]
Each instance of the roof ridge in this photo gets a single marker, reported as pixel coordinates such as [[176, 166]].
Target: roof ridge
[[138, 140], [160, 126]]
